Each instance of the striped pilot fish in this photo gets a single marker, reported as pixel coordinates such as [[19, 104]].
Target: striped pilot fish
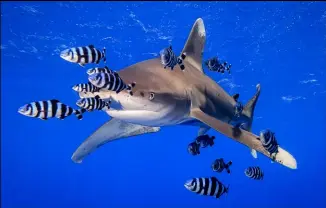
[[83, 55], [169, 59], [206, 186], [254, 173], [213, 64], [93, 103], [219, 165], [85, 87], [268, 141], [101, 69], [110, 82], [49, 109]]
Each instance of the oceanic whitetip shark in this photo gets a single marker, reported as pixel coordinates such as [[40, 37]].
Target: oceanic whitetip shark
[[165, 97]]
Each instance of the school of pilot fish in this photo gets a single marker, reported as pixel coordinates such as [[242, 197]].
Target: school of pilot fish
[[105, 78]]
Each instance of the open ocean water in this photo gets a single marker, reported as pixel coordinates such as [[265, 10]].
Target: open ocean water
[[281, 45]]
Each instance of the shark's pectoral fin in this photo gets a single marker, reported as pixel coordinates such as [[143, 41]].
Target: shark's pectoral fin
[[193, 49], [244, 137], [112, 130]]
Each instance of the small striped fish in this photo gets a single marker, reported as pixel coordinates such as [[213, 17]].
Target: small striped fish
[[169, 59], [254, 173], [205, 140], [206, 186], [83, 55], [268, 141], [94, 103], [85, 87], [49, 109], [99, 70], [214, 64], [219, 165], [193, 148], [110, 82]]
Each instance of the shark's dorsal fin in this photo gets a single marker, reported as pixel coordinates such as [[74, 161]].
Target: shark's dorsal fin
[[194, 46]]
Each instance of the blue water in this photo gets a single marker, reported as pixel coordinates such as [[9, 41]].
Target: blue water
[[280, 45]]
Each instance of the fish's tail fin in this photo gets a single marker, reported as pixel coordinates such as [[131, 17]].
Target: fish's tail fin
[[79, 113], [226, 190], [228, 167], [104, 54], [248, 111]]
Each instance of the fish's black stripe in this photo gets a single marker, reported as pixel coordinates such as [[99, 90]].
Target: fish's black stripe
[[86, 56], [206, 186], [213, 188], [94, 56], [78, 51], [38, 109], [99, 56], [54, 108], [46, 109], [219, 186], [200, 185], [63, 111]]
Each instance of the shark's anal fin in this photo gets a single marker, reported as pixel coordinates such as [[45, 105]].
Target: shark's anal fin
[[194, 46], [112, 130], [244, 137]]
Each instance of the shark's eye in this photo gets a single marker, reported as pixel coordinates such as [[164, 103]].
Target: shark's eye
[[151, 96]]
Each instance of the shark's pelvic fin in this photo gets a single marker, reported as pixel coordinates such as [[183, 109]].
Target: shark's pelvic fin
[[244, 137], [112, 130], [194, 46], [248, 111]]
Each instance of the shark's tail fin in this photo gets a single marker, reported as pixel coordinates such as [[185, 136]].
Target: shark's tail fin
[[248, 111]]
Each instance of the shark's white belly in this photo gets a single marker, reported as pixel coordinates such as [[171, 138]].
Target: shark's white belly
[[142, 111]]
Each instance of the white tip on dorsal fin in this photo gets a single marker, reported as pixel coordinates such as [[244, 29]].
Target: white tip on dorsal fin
[[195, 44]]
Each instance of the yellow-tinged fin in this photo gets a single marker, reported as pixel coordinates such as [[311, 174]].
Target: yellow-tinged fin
[[195, 44], [244, 137]]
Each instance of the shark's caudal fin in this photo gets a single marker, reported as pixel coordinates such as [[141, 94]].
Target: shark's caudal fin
[[248, 111], [194, 46], [112, 130], [244, 137]]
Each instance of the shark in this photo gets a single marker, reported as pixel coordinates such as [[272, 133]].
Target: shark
[[174, 97]]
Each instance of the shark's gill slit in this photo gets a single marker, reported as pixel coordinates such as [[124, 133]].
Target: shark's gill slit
[[151, 96]]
